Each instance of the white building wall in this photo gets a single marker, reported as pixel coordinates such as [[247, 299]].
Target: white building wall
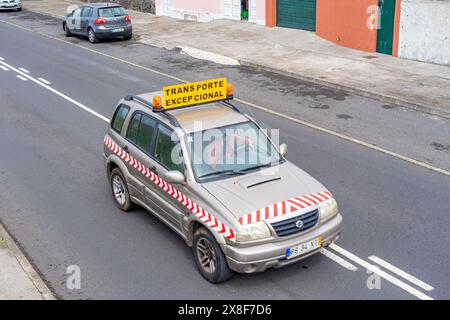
[[425, 30]]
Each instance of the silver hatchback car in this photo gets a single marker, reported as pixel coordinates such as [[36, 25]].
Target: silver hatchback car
[[98, 21], [215, 177]]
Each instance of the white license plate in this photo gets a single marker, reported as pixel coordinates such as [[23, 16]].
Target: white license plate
[[118, 30], [303, 248]]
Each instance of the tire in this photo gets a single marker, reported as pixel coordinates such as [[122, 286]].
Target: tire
[[203, 243], [19, 9], [119, 190], [92, 36], [67, 32], [128, 37]]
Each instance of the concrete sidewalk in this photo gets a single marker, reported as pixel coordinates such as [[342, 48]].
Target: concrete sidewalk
[[301, 54], [18, 279]]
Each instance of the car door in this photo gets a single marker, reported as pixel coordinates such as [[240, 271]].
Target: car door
[[167, 156], [86, 16], [140, 139], [74, 21]]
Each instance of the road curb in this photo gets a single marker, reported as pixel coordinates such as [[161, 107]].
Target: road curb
[[358, 91], [27, 267]]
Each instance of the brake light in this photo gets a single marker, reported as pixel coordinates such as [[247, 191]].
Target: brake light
[[100, 21], [127, 19]]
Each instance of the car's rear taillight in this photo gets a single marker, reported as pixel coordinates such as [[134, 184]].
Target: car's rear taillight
[[100, 21], [127, 19]]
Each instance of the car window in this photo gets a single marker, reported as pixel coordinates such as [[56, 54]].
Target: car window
[[167, 151], [133, 127], [87, 12], [111, 12], [145, 133], [77, 13], [119, 117]]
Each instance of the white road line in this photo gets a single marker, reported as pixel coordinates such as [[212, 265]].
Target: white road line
[[253, 105], [401, 273], [24, 70], [4, 68], [44, 81], [62, 95], [21, 78], [1, 58], [402, 285], [347, 265]]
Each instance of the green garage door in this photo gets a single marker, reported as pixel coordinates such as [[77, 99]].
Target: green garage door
[[297, 14]]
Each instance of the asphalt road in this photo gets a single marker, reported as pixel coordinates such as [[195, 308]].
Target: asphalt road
[[55, 200]]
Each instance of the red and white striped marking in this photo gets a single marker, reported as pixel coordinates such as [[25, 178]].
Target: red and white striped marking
[[285, 206], [207, 218]]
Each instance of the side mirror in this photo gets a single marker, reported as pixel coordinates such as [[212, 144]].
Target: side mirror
[[175, 177], [283, 149]]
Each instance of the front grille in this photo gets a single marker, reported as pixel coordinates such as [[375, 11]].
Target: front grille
[[288, 227]]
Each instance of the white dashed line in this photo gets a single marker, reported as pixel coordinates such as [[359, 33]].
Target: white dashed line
[[21, 78], [1, 58], [44, 81], [24, 70], [347, 265], [62, 95], [4, 68], [402, 285], [401, 273]]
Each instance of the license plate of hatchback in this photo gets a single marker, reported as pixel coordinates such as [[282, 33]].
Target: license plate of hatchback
[[118, 30], [303, 248]]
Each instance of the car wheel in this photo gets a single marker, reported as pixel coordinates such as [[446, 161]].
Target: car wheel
[[120, 191], [209, 258], [128, 37], [91, 36], [66, 30]]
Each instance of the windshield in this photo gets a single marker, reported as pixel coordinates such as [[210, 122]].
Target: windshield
[[111, 12], [232, 150]]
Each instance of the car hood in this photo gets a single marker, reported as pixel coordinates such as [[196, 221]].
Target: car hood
[[244, 194]]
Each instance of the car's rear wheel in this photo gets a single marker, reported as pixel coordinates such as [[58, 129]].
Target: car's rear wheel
[[209, 258], [92, 36], [120, 191], [66, 30]]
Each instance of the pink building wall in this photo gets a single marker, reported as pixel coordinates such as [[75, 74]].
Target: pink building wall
[[203, 10]]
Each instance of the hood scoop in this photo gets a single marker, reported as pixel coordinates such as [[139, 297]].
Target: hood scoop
[[261, 182]]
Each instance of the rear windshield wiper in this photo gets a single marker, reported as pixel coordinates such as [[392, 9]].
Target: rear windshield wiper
[[221, 173]]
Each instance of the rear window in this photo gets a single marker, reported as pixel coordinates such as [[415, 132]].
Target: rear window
[[119, 118], [111, 12]]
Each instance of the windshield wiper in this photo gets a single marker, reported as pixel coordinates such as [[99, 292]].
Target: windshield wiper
[[221, 173], [255, 167]]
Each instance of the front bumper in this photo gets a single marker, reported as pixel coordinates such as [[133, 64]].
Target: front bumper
[[4, 6], [258, 258], [103, 32]]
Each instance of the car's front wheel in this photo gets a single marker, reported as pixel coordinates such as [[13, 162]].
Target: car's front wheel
[[19, 9], [120, 191], [209, 258], [66, 30], [92, 36]]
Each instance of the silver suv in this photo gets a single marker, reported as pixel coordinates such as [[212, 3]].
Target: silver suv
[[215, 177]]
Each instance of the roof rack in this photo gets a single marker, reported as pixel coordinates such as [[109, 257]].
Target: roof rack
[[170, 117]]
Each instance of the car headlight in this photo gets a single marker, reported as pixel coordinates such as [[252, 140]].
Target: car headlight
[[253, 231], [328, 209]]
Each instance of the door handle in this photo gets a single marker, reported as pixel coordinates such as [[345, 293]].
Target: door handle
[[153, 168], [125, 148]]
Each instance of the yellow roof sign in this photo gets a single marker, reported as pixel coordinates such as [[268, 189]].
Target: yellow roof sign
[[194, 93]]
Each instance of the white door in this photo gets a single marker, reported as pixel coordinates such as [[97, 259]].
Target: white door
[[252, 11], [232, 9], [165, 6]]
